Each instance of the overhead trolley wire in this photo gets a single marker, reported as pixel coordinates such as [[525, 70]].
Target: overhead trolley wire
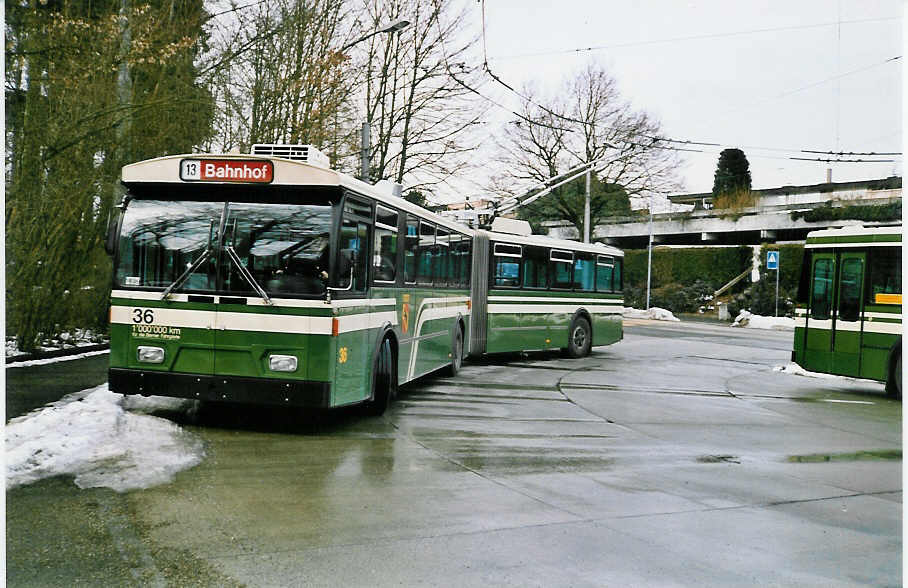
[[692, 38]]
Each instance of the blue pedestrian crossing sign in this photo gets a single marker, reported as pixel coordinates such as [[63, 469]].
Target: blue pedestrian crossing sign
[[772, 260]]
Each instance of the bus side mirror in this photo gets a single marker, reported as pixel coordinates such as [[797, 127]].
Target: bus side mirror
[[113, 230]]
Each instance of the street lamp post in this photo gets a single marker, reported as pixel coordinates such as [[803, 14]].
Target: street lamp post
[[365, 138]]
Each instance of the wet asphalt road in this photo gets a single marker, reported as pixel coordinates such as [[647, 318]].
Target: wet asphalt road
[[676, 457]]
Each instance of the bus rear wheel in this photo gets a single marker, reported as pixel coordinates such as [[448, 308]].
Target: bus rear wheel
[[384, 382], [894, 381], [580, 338]]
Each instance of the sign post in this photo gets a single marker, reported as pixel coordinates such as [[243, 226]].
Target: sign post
[[772, 262]]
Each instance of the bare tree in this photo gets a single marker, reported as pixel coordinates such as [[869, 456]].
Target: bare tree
[[282, 79], [587, 122], [419, 113]]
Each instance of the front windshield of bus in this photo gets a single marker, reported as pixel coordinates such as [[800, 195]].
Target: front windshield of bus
[[283, 247]]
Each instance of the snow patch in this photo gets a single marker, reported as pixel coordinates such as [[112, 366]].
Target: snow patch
[[654, 314], [755, 321], [66, 340], [96, 436], [32, 362], [796, 370]]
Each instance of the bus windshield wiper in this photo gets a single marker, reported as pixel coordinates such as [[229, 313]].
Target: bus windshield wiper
[[231, 253], [185, 275]]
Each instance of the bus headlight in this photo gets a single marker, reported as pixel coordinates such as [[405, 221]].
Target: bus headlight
[[282, 363], [150, 354]]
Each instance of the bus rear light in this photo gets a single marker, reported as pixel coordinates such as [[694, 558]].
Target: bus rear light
[[150, 354], [335, 327], [469, 304], [282, 363]]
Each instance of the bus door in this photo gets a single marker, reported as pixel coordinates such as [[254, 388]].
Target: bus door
[[355, 336], [818, 333], [846, 336]]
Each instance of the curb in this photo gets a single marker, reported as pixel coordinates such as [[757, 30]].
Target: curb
[[56, 353]]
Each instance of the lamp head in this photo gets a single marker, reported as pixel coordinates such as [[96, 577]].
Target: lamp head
[[394, 26]]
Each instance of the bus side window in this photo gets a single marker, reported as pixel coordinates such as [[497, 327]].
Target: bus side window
[[425, 253], [617, 276], [507, 265], [467, 260], [535, 267], [605, 270], [454, 261], [584, 272], [441, 257], [850, 289], [885, 274], [560, 265], [384, 250], [821, 295], [411, 249], [353, 246]]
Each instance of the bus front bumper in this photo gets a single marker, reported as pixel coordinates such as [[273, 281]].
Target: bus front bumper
[[221, 388]]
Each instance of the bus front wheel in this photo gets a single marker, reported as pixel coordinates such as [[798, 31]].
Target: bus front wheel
[[384, 381], [580, 338], [894, 381]]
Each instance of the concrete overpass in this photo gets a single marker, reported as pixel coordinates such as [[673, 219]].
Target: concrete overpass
[[765, 223]]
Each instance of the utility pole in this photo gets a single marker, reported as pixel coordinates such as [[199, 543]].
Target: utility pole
[[649, 253], [586, 208], [365, 135], [365, 152]]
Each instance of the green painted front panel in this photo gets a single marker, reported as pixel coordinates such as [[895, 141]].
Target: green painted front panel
[[186, 350], [798, 345]]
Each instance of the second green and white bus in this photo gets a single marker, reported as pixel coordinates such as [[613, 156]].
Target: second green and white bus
[[271, 279], [849, 313]]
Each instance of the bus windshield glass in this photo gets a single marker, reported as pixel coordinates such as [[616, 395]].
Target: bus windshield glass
[[282, 247]]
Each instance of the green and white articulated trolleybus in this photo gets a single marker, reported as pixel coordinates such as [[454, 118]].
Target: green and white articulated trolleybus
[[849, 313], [271, 279]]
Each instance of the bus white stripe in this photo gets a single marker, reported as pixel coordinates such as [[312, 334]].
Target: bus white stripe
[[253, 301], [541, 299], [243, 321], [551, 309], [869, 326]]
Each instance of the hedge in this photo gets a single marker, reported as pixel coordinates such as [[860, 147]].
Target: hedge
[[871, 213], [713, 265]]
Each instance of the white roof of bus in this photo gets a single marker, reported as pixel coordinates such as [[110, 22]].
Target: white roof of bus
[[544, 241], [286, 173]]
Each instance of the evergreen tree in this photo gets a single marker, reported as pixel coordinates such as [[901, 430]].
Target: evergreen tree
[[732, 173], [71, 126]]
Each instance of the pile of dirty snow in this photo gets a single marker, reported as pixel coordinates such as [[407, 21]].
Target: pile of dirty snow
[[755, 321], [654, 314], [31, 362], [102, 440], [67, 340]]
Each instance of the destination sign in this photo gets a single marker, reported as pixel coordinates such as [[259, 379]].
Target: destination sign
[[226, 170]]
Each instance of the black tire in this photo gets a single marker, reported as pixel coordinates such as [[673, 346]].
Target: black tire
[[894, 381], [580, 338], [456, 352], [384, 381]]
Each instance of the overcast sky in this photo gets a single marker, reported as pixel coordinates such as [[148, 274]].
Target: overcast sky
[[772, 77]]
